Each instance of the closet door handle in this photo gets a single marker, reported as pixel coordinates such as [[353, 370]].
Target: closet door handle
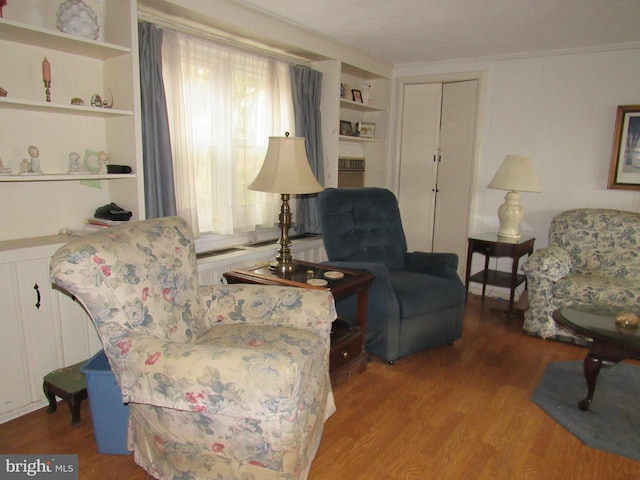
[[37, 289]]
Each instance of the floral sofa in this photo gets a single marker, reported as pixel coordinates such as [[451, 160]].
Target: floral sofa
[[593, 257], [227, 382]]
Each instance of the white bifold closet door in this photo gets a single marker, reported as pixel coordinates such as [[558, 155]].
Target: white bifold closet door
[[436, 165]]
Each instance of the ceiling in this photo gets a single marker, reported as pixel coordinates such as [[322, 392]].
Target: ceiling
[[409, 31]]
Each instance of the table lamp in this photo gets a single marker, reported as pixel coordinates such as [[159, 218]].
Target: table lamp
[[516, 174], [285, 169]]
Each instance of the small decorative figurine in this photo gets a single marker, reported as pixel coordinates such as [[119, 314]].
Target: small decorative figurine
[[102, 163], [366, 92], [46, 78], [24, 166], [4, 170], [96, 100], [34, 162], [74, 162]]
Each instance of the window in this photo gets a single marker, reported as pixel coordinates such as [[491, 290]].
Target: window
[[223, 104]]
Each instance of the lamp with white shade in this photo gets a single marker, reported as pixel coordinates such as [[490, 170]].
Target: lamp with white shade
[[516, 174], [285, 169]]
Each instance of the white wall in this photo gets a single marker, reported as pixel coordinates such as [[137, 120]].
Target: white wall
[[561, 110]]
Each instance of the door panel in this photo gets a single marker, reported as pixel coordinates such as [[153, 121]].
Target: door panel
[[455, 169], [437, 120], [418, 171]]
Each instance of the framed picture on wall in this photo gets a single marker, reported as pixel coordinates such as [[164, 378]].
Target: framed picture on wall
[[624, 171]]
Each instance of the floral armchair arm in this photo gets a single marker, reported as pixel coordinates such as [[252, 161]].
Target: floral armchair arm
[[224, 379], [543, 269], [546, 266], [309, 309]]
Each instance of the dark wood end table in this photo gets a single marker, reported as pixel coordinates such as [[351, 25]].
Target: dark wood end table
[[492, 245], [348, 355], [611, 344]]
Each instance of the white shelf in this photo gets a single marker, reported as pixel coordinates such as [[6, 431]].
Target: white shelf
[[346, 138], [362, 107], [49, 107], [40, 37], [58, 177]]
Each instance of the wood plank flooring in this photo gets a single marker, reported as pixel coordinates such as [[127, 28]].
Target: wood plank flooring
[[453, 412]]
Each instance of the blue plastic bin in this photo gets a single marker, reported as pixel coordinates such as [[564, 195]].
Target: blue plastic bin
[[109, 415]]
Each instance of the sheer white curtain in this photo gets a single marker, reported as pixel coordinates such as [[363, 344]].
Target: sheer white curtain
[[223, 105]]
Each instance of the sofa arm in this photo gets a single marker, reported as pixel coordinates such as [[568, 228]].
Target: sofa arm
[[439, 264], [232, 373], [308, 309], [543, 269], [549, 263]]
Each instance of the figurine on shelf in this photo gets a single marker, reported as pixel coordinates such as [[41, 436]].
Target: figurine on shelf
[[74, 163], [366, 92], [24, 166], [102, 163], [96, 100], [4, 170], [34, 162]]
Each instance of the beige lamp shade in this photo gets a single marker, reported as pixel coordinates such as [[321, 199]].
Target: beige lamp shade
[[286, 168], [516, 173]]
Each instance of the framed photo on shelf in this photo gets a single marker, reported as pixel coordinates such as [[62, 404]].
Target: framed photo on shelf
[[624, 171], [366, 129], [356, 96], [346, 128]]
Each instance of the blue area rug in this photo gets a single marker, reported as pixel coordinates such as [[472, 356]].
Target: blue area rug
[[612, 423]]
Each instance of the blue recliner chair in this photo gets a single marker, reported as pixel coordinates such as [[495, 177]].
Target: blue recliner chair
[[417, 299]]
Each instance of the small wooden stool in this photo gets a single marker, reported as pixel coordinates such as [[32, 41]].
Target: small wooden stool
[[69, 384]]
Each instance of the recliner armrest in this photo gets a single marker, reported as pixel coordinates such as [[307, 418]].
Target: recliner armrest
[[439, 264]]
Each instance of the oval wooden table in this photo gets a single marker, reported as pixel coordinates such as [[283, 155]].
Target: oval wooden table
[[610, 345]]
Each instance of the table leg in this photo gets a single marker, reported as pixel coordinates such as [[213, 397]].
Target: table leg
[[485, 276], [591, 365], [361, 312]]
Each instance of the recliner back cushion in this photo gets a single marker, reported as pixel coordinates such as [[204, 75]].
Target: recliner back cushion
[[362, 225]]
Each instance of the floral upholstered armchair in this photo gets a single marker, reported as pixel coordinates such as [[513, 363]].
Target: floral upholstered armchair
[[593, 257], [222, 381]]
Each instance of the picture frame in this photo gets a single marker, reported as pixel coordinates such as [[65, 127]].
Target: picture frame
[[356, 96], [367, 129], [624, 170], [346, 128]]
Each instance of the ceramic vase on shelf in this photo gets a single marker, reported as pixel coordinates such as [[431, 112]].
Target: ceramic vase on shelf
[[77, 18]]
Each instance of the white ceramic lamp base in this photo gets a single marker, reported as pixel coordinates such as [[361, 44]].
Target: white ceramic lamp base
[[511, 214]]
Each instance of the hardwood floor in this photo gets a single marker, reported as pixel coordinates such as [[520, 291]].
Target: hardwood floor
[[453, 412]]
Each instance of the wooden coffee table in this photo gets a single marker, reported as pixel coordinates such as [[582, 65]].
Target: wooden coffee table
[[611, 344], [348, 355]]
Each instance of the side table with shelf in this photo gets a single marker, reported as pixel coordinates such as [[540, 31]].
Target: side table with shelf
[[348, 355], [492, 245]]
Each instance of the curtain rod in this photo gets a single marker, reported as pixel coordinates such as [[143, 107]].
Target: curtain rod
[[207, 33]]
